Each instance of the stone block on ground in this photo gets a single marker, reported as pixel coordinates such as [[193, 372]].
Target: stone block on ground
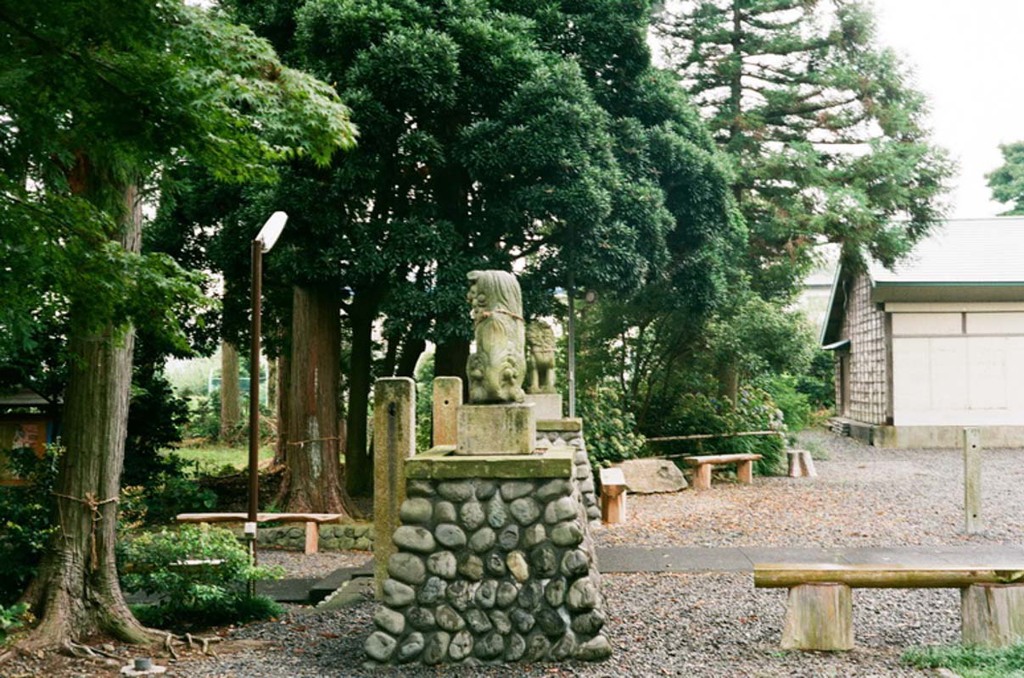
[[650, 476]]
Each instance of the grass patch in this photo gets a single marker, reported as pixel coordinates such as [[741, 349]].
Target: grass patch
[[219, 457], [970, 662], [817, 450]]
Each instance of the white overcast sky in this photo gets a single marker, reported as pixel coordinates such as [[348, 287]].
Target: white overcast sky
[[967, 56]]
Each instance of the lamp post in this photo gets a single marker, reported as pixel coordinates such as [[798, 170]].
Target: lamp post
[[263, 242]]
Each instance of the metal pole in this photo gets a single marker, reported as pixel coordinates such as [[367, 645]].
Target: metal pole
[[571, 352], [254, 396]]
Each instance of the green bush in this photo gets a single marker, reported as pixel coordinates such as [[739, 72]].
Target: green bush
[[819, 382], [610, 430], [696, 413], [11, 619], [27, 518], [795, 405], [193, 595]]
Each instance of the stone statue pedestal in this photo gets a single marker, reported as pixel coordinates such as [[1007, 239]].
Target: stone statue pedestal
[[546, 406], [505, 428]]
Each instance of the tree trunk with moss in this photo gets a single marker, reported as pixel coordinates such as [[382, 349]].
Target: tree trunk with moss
[[230, 410], [311, 459], [76, 593]]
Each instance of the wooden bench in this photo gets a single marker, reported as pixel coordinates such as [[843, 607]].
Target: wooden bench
[[703, 465], [819, 611], [312, 521]]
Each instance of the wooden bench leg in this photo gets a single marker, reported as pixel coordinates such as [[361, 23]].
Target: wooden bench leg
[[992, 615], [312, 538], [745, 472], [819, 617], [702, 477], [800, 464]]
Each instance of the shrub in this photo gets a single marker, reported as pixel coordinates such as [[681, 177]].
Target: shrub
[[196, 595], [610, 430], [27, 516], [795, 405], [696, 413], [11, 619]]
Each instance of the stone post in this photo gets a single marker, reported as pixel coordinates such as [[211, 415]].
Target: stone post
[[394, 441], [447, 400], [972, 480]]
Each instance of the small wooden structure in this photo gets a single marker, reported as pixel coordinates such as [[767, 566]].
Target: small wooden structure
[[613, 496], [311, 520], [704, 463], [800, 464], [819, 611]]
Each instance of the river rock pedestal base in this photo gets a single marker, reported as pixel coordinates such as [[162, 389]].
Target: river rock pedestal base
[[495, 564]]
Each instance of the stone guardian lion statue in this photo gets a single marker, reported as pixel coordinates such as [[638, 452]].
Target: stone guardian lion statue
[[540, 358], [497, 369]]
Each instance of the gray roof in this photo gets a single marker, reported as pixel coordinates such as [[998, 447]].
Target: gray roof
[[962, 260], [962, 251]]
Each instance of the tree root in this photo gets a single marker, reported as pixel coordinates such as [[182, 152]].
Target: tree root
[[81, 651], [190, 640]]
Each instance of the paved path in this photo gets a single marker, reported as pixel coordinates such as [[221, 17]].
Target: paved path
[[624, 559], [698, 559]]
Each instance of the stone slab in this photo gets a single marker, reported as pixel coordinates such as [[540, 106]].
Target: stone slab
[[496, 429], [573, 425], [546, 406], [650, 476], [322, 588], [555, 462]]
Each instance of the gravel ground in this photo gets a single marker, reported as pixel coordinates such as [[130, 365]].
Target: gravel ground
[[708, 624]]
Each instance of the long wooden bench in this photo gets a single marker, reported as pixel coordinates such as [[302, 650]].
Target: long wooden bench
[[819, 611], [311, 520], [704, 463]]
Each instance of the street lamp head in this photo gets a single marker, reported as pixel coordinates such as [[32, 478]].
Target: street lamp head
[[271, 230]]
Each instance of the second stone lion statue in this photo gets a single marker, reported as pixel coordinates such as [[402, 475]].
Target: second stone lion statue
[[497, 368], [540, 358]]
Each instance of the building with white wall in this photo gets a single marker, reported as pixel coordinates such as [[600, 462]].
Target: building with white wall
[[937, 343]]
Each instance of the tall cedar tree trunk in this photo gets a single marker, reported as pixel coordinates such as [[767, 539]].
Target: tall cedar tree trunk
[[311, 461], [76, 593], [358, 462], [230, 409], [284, 377]]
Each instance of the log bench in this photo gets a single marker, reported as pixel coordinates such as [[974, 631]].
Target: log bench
[[704, 463], [311, 520], [819, 611]]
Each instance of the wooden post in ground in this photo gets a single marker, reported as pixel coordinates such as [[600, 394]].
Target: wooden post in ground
[[394, 441], [819, 617], [447, 399], [992, 615], [973, 522]]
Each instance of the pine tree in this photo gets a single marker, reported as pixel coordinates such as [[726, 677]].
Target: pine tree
[[827, 137]]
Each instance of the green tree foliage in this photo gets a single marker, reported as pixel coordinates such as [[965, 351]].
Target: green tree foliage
[[95, 99], [1007, 182], [490, 132], [826, 135]]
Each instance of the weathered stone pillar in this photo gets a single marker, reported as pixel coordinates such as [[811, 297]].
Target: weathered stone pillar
[[447, 400], [394, 438]]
